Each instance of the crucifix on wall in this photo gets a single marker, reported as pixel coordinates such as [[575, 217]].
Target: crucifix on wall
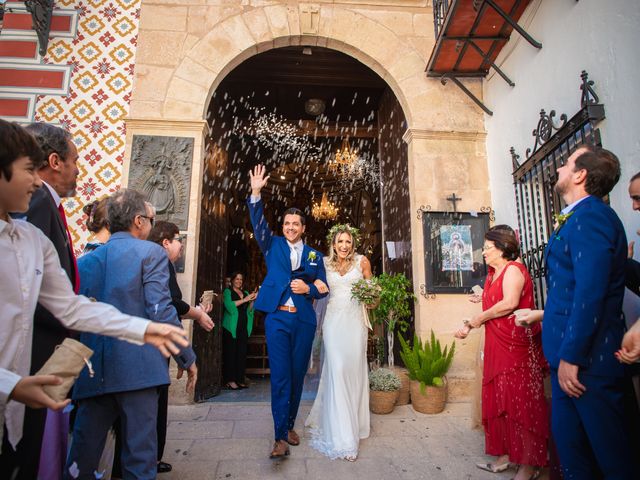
[[454, 200]]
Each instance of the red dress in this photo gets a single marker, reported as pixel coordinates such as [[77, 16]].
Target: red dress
[[514, 409]]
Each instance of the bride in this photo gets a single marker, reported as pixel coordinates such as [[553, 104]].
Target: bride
[[339, 417]]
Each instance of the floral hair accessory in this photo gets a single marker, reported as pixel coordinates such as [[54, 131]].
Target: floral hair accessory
[[344, 227]]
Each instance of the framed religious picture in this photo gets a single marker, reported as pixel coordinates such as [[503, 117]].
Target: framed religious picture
[[453, 250]]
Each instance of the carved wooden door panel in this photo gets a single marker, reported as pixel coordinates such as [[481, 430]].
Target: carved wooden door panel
[[210, 275]]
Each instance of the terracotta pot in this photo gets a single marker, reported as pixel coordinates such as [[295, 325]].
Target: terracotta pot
[[432, 400], [405, 396], [382, 402]]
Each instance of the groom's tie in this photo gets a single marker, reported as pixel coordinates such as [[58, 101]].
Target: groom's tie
[[294, 258]]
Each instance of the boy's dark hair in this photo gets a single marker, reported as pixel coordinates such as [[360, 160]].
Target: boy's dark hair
[[16, 142], [294, 211], [163, 231]]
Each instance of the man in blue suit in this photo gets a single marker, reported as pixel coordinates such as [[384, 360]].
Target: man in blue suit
[[286, 296], [584, 324], [132, 275]]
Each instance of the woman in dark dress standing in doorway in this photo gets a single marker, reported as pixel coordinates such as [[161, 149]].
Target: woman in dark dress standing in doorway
[[167, 235], [237, 323]]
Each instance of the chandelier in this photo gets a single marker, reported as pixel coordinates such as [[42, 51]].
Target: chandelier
[[345, 159], [325, 210]]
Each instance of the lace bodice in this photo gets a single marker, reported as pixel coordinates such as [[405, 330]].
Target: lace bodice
[[340, 285]]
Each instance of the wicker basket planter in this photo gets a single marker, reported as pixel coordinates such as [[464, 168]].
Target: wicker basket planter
[[405, 396], [432, 401], [382, 402]]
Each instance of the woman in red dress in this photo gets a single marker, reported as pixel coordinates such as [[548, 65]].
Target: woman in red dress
[[514, 410]]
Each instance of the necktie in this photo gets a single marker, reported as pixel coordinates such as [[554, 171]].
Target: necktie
[[76, 276], [294, 257]]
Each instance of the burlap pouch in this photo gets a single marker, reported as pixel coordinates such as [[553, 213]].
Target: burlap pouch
[[67, 362]]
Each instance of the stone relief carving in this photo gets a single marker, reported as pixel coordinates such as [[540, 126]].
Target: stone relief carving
[[161, 169]]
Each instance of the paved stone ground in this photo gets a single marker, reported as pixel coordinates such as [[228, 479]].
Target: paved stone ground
[[233, 440]]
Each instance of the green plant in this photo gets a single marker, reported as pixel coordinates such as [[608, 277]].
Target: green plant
[[395, 306], [384, 380], [427, 362]]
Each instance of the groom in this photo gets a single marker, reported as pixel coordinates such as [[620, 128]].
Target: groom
[[286, 296]]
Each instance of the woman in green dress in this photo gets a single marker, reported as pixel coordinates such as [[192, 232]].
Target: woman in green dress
[[237, 323]]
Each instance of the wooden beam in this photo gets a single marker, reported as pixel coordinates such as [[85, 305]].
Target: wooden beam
[[336, 129]]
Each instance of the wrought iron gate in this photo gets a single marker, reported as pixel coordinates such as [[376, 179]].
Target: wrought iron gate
[[534, 180]]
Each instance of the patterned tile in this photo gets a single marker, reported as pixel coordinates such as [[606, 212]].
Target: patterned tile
[[108, 173], [85, 81], [82, 110], [118, 83], [50, 110], [111, 143], [121, 54], [90, 52], [114, 112], [92, 25], [59, 51]]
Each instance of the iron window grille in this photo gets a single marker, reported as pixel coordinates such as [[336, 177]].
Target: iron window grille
[[534, 180]]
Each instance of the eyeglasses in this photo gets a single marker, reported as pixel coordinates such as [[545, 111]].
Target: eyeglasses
[[487, 247], [152, 220]]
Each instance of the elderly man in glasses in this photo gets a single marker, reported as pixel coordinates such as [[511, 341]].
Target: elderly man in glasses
[[132, 275]]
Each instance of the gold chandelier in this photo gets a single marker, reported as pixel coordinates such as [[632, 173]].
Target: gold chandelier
[[325, 210], [345, 159]]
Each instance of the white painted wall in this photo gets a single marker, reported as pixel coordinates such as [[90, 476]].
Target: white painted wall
[[601, 37]]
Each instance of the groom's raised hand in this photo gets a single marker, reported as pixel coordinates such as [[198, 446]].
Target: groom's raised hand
[[259, 179]]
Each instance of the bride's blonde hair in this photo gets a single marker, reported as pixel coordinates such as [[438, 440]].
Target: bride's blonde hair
[[334, 233]]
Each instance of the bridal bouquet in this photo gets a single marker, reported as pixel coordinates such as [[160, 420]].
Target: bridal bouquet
[[366, 291]]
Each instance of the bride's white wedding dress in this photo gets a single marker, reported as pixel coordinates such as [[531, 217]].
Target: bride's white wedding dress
[[340, 417]]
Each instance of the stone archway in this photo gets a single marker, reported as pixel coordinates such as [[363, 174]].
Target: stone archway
[[445, 136], [185, 87]]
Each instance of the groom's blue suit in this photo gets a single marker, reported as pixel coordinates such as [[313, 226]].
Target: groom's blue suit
[[289, 335], [583, 325]]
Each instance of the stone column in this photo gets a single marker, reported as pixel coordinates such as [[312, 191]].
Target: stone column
[[441, 163], [196, 130]]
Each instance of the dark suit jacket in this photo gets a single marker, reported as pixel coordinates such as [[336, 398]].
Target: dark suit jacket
[[632, 276], [48, 332], [182, 307], [275, 289], [583, 319]]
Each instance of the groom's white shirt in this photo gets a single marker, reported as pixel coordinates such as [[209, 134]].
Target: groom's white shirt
[[295, 247]]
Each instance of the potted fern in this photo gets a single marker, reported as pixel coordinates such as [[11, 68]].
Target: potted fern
[[384, 387], [427, 364]]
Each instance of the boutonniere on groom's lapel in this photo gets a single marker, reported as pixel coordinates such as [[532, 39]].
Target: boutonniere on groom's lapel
[[560, 219], [312, 256]]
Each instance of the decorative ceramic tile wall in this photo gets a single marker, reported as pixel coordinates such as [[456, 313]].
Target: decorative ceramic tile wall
[[103, 58]]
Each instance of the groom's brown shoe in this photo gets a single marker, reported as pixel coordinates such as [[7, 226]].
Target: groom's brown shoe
[[293, 438], [280, 449]]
